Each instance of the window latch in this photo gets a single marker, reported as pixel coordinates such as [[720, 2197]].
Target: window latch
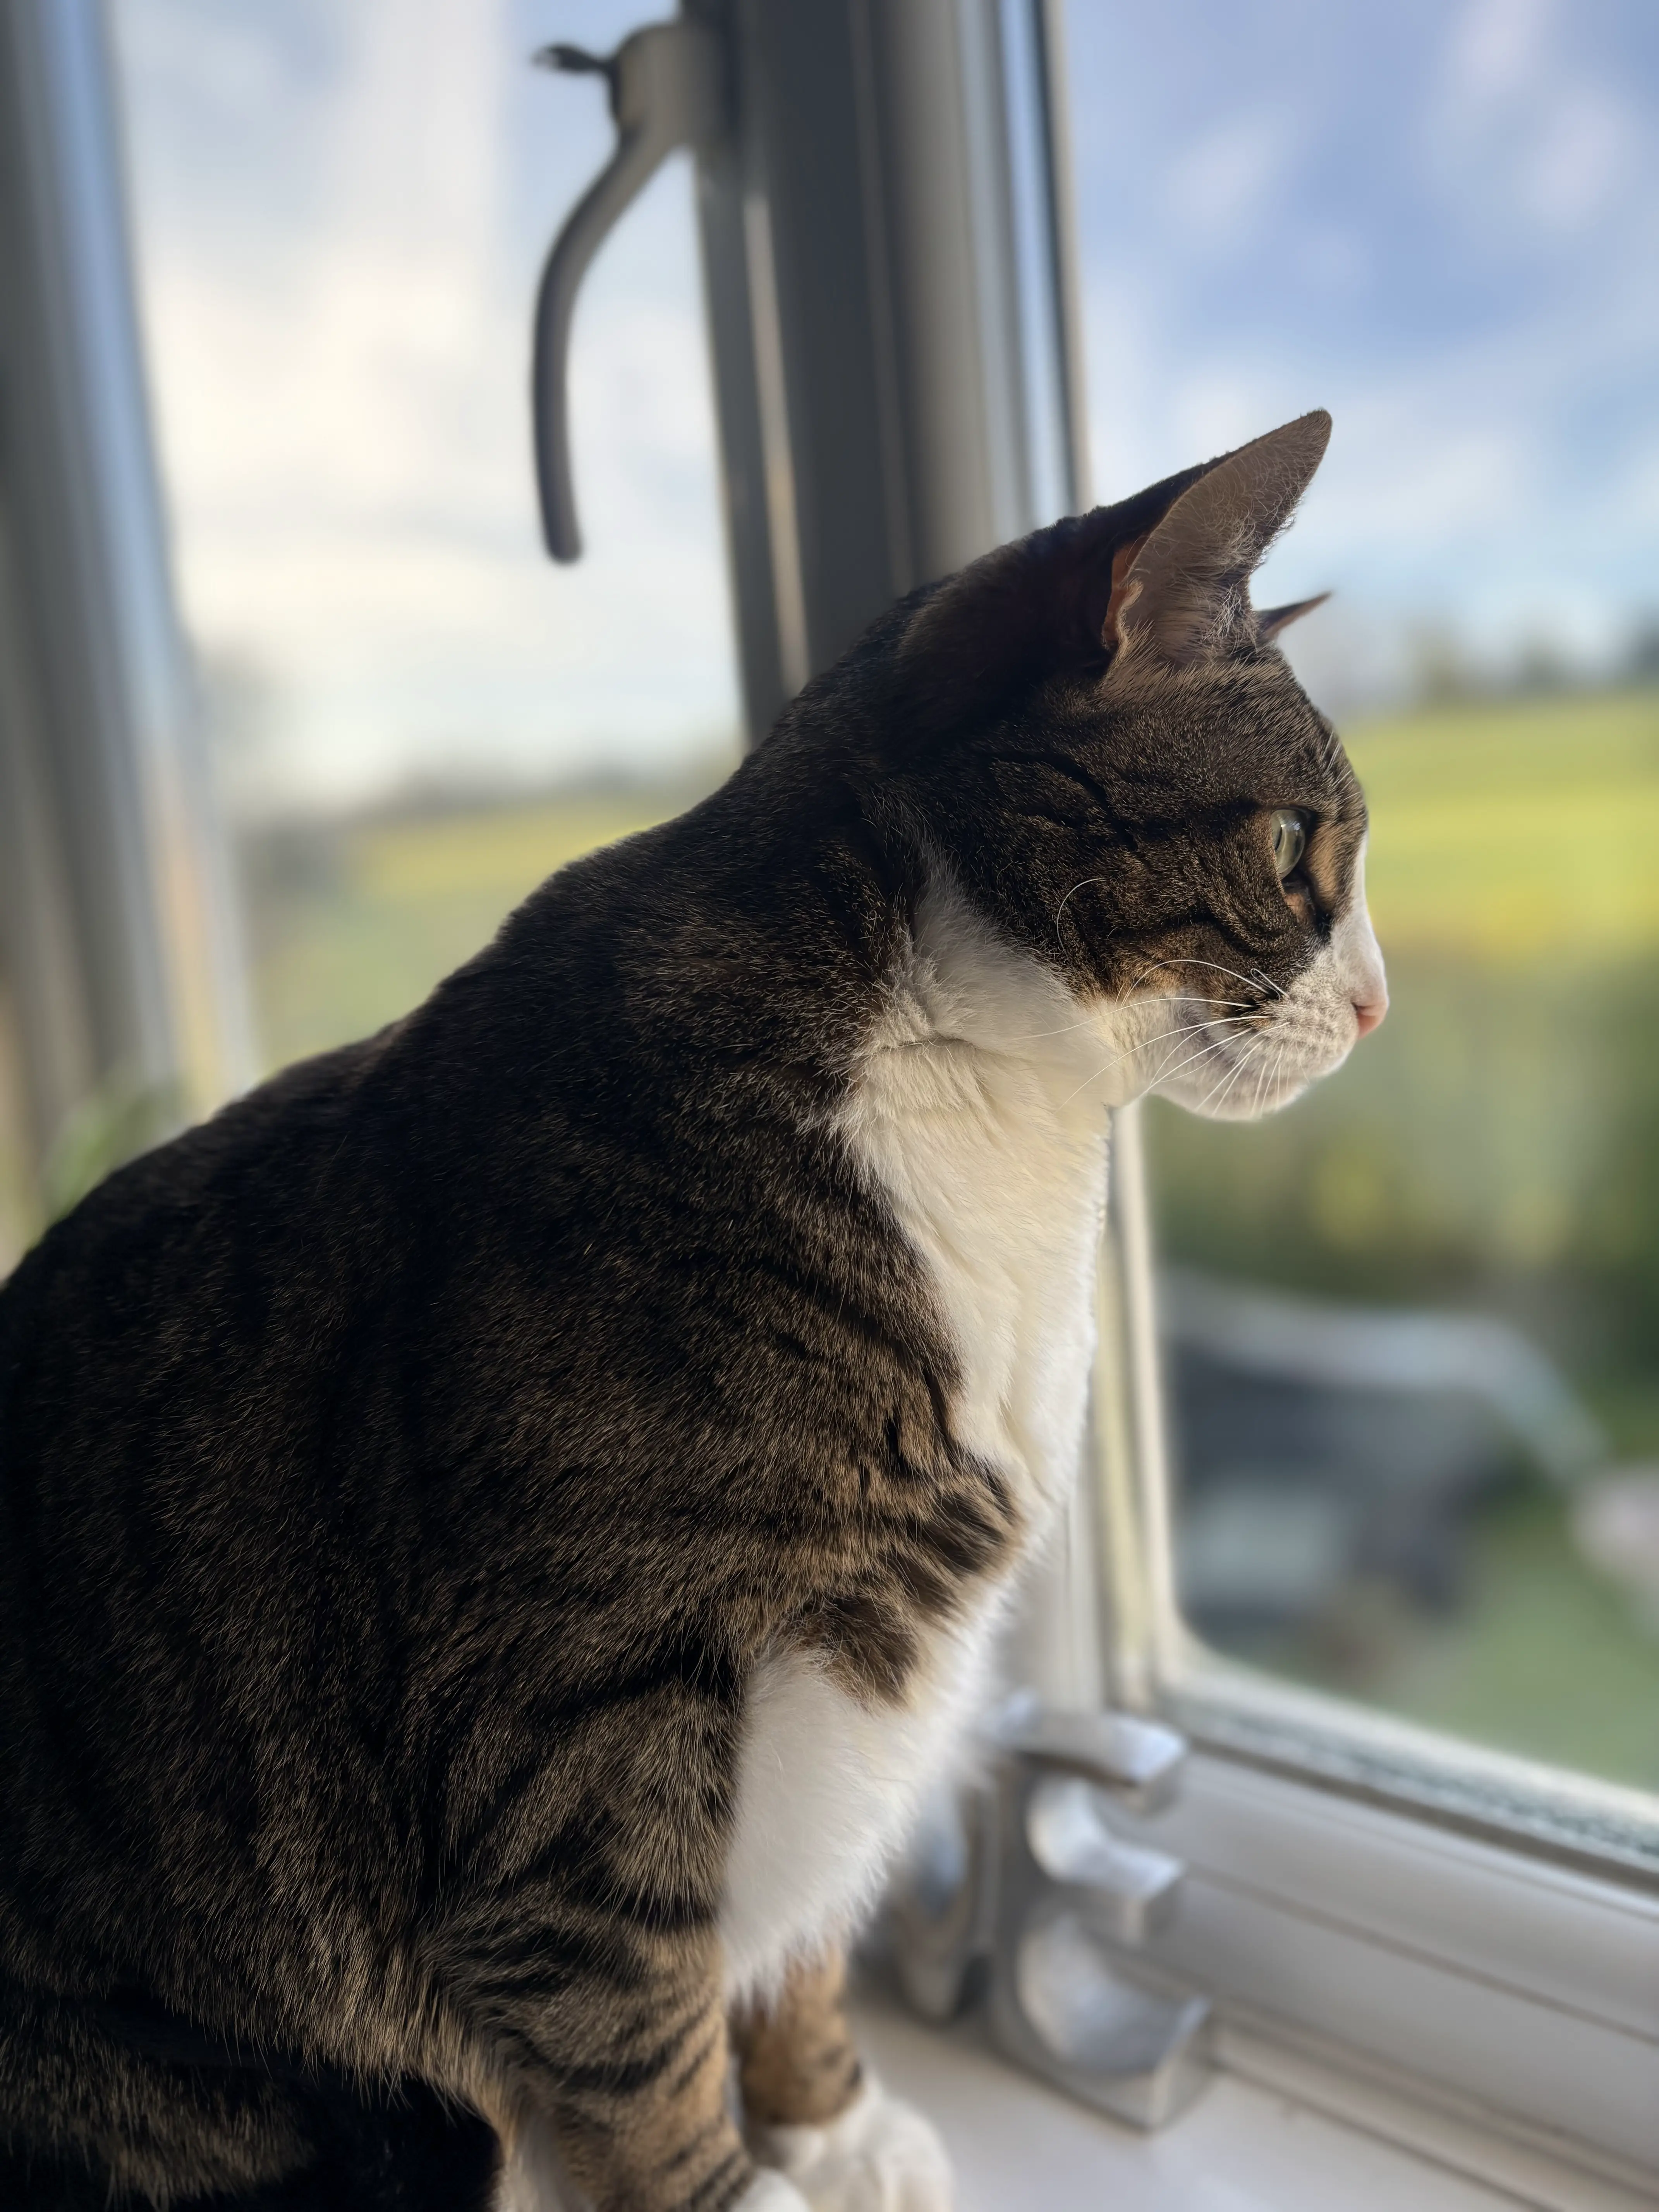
[[1022, 1891], [667, 90]]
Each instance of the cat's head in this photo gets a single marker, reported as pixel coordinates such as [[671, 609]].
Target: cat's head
[[1096, 735]]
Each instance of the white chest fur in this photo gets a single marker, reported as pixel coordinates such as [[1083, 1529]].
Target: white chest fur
[[979, 1112]]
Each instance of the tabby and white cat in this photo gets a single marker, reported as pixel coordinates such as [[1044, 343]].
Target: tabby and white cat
[[501, 1525]]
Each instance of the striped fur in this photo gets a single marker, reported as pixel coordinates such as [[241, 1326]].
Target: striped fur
[[496, 1526]]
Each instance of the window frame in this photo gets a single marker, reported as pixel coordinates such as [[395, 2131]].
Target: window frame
[[124, 948]]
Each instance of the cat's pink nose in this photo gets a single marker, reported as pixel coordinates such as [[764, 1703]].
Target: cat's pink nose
[[1368, 1012]]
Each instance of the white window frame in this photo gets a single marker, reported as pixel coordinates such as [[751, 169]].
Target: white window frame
[[122, 938]]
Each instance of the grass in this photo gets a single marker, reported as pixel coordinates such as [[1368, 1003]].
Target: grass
[[1518, 830], [1543, 1657], [352, 925]]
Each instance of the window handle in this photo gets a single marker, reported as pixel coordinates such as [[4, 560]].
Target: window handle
[[1137, 1761], [666, 87], [1023, 1888], [1072, 1994], [1123, 1891]]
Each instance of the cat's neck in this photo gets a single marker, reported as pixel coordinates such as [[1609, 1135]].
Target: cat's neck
[[959, 991], [977, 1110]]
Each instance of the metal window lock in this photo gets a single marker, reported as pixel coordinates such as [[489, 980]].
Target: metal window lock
[[1023, 1888], [667, 89]]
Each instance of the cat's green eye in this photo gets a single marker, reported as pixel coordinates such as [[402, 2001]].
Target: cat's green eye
[[1290, 839]]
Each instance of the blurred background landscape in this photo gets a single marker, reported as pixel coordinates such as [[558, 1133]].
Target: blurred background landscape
[[1493, 1150], [1438, 220]]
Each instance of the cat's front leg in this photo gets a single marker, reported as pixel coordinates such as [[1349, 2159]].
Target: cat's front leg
[[815, 2114], [624, 2107]]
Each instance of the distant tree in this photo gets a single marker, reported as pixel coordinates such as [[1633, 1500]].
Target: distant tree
[[1642, 658], [241, 709], [1440, 664], [1542, 666]]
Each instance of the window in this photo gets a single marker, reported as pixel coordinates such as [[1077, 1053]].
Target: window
[[17, 1204], [1409, 1325], [339, 216], [1379, 1547], [1395, 1865]]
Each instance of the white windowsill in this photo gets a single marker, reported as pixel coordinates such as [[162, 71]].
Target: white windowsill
[[1299, 2145]]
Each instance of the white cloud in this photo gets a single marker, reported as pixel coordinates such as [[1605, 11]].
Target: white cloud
[[1224, 186], [1579, 156], [1497, 47], [1489, 346], [1522, 124]]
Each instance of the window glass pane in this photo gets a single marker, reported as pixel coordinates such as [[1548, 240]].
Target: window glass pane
[[341, 213], [1411, 1323]]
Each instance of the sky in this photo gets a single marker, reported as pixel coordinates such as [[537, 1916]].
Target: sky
[[1439, 219]]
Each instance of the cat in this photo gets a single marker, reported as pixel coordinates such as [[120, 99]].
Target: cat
[[502, 1524]]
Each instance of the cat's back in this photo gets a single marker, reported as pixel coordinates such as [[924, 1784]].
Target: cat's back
[[293, 1197], [177, 1253], [568, 1166]]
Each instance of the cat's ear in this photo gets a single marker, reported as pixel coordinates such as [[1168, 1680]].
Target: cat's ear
[[1164, 573], [1269, 621], [1042, 604], [1184, 592]]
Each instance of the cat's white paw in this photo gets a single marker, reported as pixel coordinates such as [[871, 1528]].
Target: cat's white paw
[[880, 2156], [770, 2192], [531, 2181]]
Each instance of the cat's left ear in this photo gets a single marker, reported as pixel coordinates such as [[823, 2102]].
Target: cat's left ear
[[1183, 595], [1042, 604], [1163, 575]]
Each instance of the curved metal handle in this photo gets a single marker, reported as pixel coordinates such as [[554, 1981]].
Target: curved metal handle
[[666, 92]]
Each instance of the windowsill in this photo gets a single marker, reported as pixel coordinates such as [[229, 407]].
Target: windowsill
[[1303, 2144]]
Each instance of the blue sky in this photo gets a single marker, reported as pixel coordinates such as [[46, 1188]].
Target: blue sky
[[1441, 222], [1439, 219]]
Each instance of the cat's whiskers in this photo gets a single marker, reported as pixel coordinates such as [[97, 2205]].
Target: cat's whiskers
[[1181, 1036], [1082, 884], [1090, 1021], [1271, 1074], [1066, 1029], [1256, 1046], [1186, 1030], [1268, 1066], [1228, 1075], [1162, 1075], [1251, 982], [1165, 1071]]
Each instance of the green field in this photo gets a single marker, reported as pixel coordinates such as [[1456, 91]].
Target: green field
[[352, 923], [1495, 1145], [1512, 832]]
